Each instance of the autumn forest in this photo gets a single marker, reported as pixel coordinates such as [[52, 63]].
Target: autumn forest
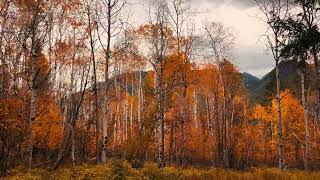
[[80, 84]]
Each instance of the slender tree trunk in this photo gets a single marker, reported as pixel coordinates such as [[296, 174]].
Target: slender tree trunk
[[106, 87], [131, 106], [220, 130], [70, 123], [317, 69], [226, 128], [33, 98], [315, 127], [64, 148], [195, 108], [305, 108], [184, 120], [213, 111], [4, 75], [171, 142], [72, 147], [66, 135], [117, 123], [95, 89], [161, 136], [72, 102], [115, 129], [159, 91], [280, 139], [126, 109], [184, 140], [32, 107], [139, 100], [105, 131], [96, 113]]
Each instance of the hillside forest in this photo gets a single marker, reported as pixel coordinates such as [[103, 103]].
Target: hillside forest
[[79, 83]]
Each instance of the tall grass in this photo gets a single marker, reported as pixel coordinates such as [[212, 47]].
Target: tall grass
[[120, 170]]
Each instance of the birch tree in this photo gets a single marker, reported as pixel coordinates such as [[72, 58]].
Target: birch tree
[[309, 12], [180, 16], [308, 154], [220, 42], [275, 11], [158, 37], [109, 25], [91, 23], [36, 30]]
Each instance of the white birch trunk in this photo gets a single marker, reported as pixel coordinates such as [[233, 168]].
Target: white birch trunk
[[131, 105], [32, 105], [126, 109], [140, 101], [305, 108], [280, 141], [117, 123], [195, 108], [33, 97]]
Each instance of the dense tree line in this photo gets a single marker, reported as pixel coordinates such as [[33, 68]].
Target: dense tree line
[[79, 83]]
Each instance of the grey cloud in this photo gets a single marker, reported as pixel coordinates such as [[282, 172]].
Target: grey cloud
[[241, 4], [253, 60]]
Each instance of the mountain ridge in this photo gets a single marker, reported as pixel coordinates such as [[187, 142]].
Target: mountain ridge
[[264, 90]]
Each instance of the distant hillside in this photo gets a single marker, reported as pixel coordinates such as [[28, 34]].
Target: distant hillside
[[259, 90], [263, 90], [250, 81]]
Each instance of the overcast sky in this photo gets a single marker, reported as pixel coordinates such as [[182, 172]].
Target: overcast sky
[[241, 16]]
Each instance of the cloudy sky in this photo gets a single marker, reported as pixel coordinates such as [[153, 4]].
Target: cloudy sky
[[241, 16]]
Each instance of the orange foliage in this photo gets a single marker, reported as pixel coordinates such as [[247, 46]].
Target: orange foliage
[[48, 125]]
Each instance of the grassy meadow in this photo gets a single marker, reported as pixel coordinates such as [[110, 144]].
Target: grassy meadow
[[119, 170]]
